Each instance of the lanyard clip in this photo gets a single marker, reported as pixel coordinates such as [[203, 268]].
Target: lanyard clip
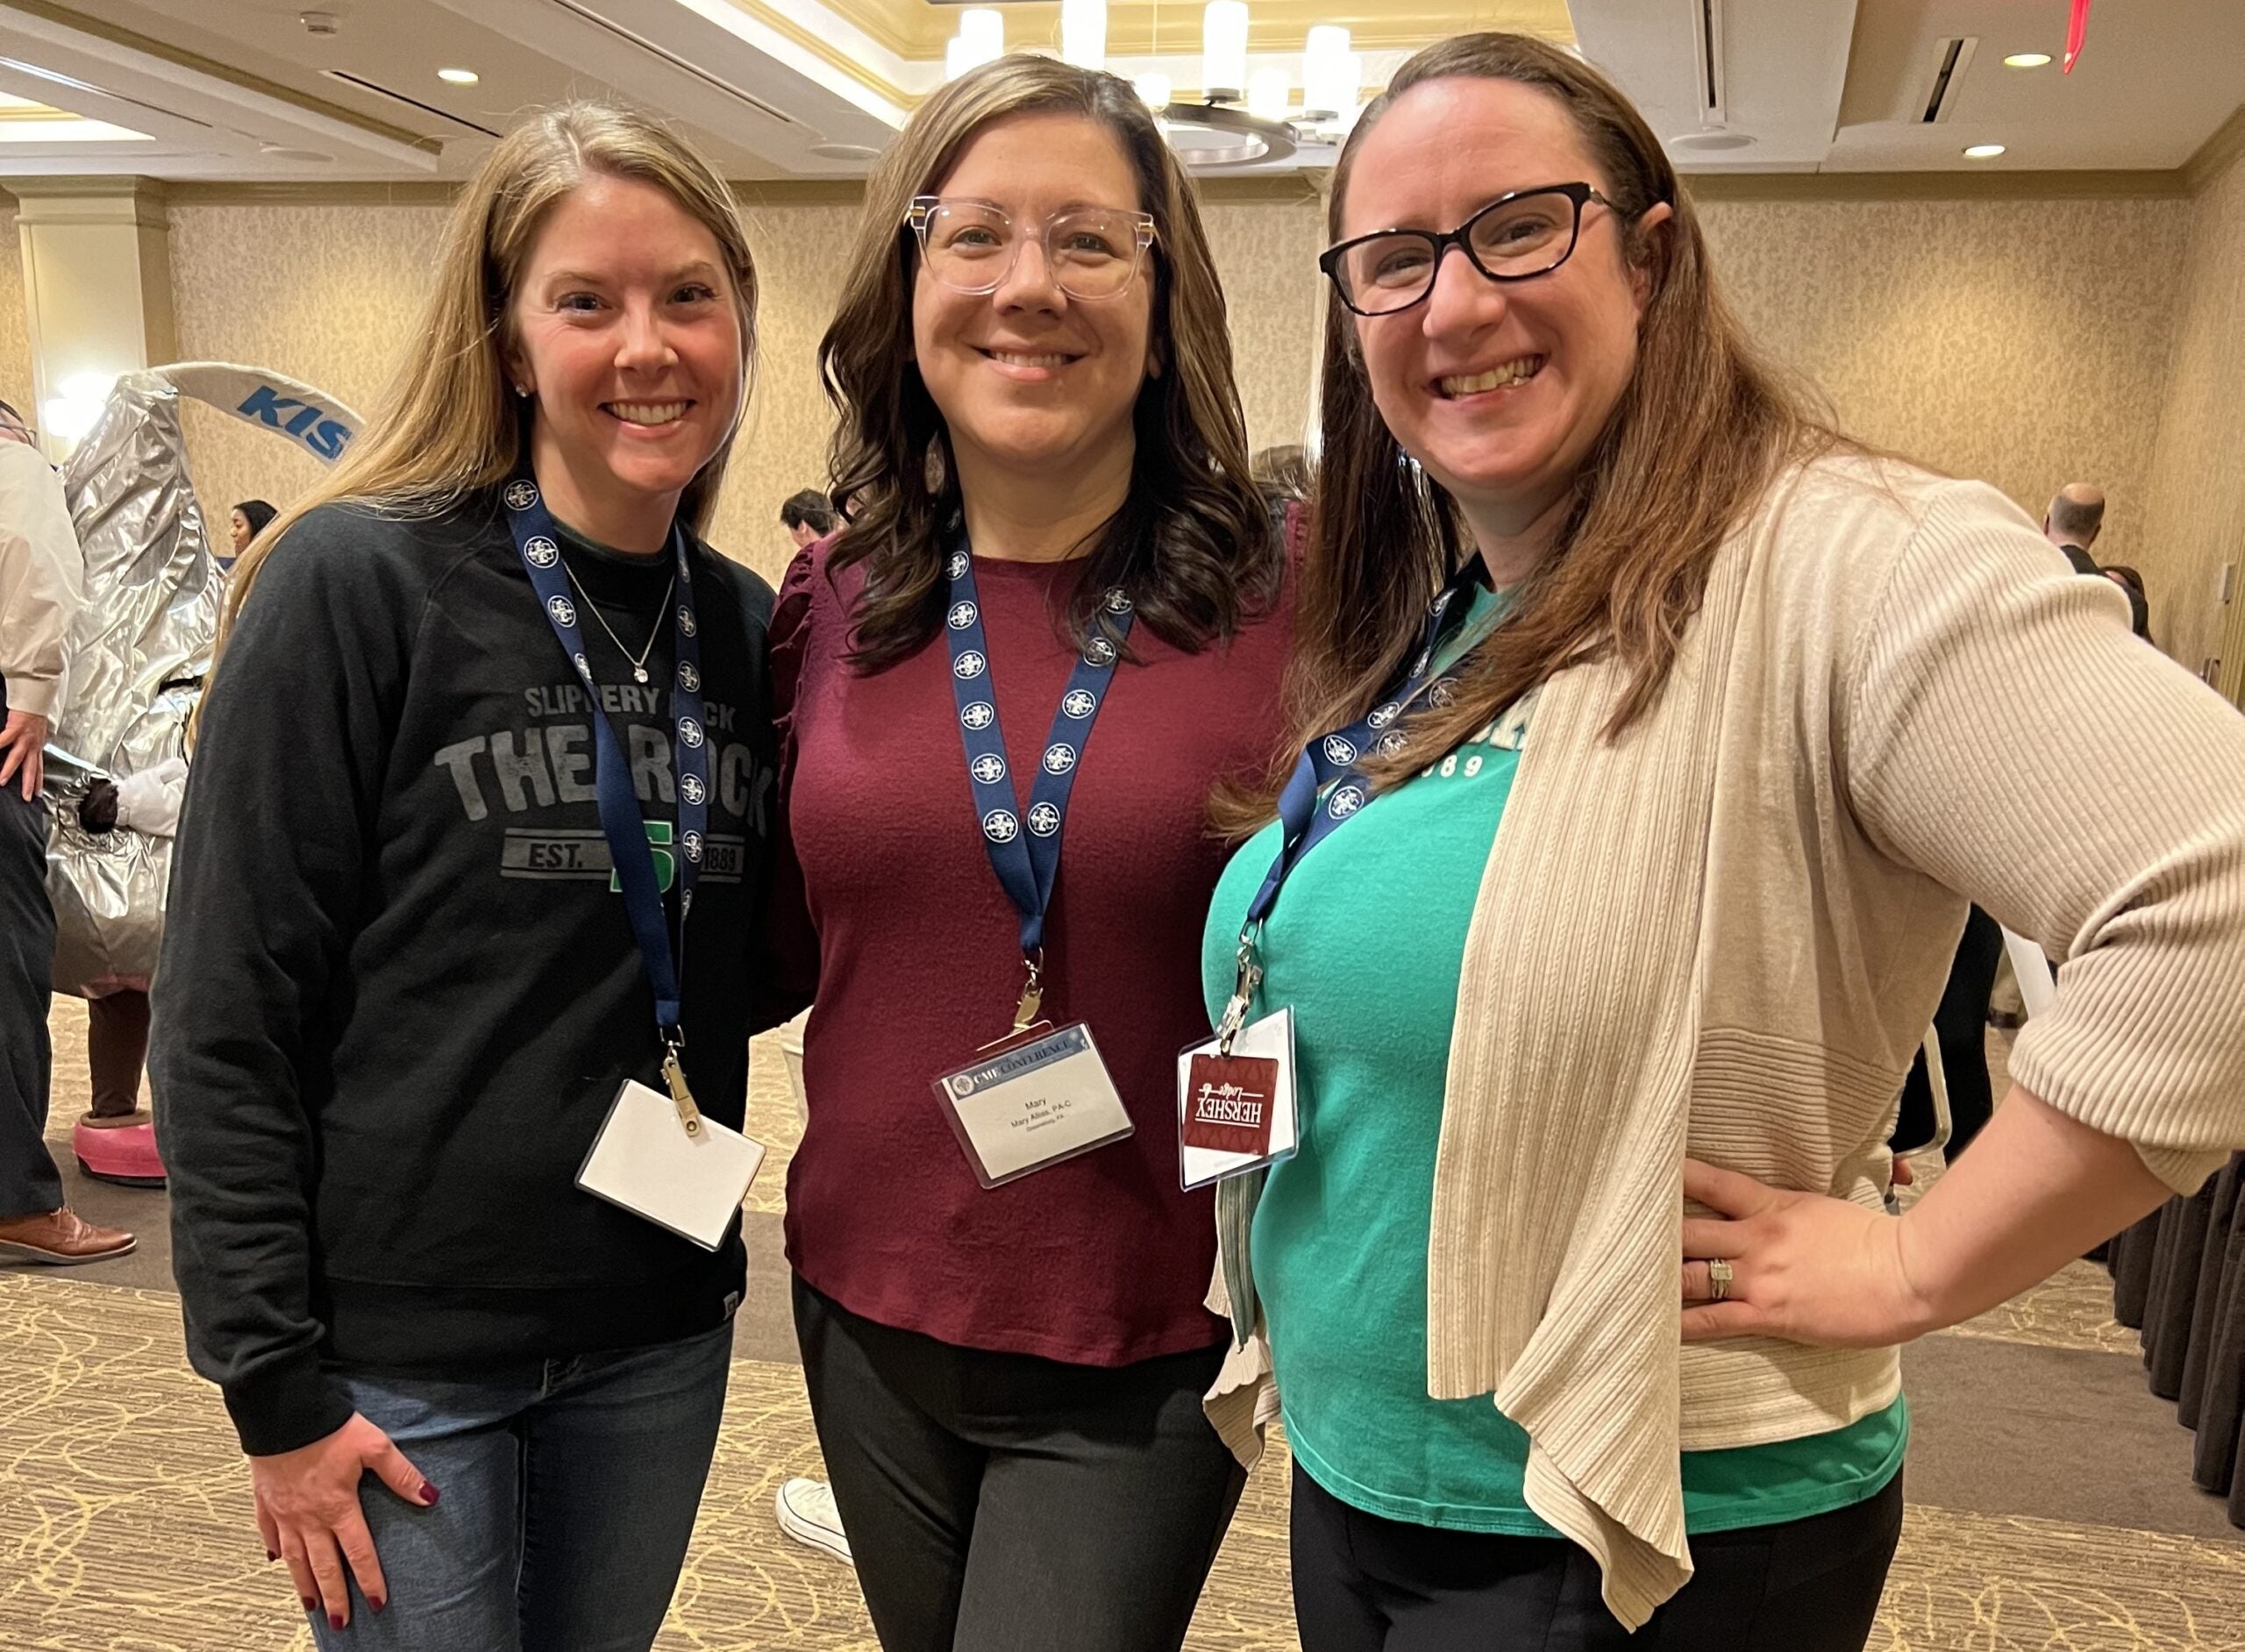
[[1242, 994], [689, 1116], [1032, 992]]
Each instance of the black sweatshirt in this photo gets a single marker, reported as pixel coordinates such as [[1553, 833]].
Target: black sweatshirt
[[397, 994]]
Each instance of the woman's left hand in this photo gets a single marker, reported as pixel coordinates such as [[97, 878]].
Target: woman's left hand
[[1804, 1267]]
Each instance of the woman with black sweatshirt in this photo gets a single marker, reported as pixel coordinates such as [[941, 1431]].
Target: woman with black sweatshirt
[[490, 720]]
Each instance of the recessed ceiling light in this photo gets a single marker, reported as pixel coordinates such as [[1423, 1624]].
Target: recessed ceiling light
[[468, 77], [2027, 60], [1984, 151]]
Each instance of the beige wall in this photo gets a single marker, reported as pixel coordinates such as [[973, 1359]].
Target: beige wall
[[15, 338], [2197, 480], [2028, 343]]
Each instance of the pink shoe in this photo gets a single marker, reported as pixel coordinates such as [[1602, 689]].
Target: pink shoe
[[124, 1153]]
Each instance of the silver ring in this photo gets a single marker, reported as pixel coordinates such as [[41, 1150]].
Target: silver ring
[[1719, 1279]]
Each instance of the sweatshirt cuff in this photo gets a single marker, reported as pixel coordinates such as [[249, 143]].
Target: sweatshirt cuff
[[287, 1403], [34, 697], [2183, 1169]]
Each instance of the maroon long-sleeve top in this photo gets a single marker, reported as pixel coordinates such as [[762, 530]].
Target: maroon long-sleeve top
[[888, 903]]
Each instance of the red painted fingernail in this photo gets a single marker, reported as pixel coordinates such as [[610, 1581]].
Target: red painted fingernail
[[429, 1495], [269, 1554], [378, 1605], [335, 1620], [310, 1605]]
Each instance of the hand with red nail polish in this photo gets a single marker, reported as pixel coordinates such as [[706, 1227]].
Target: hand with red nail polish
[[308, 1511]]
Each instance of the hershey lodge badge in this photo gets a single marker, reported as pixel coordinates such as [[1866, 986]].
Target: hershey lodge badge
[[1236, 1112]]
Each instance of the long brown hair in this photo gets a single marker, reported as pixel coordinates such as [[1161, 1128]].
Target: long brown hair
[[448, 426], [1193, 545], [1700, 431]]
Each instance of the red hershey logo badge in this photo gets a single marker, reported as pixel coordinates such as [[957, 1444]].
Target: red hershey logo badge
[[1228, 1104]]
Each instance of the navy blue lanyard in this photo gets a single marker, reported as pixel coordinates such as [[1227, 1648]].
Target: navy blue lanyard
[[1027, 860], [620, 820], [1337, 758]]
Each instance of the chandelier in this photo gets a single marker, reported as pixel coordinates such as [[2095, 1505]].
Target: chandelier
[[1245, 115]]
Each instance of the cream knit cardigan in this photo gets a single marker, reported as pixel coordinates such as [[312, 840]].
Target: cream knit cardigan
[[1725, 935]]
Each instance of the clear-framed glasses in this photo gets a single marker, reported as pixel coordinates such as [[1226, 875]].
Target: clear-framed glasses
[[1515, 238], [970, 246]]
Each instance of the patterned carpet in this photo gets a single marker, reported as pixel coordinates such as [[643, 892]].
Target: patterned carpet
[[125, 1522]]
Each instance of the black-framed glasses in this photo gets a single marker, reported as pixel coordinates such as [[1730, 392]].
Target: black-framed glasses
[[1515, 238], [970, 246]]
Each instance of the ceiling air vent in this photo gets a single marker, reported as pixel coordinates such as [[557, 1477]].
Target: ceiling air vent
[[1707, 40], [390, 94], [1951, 58]]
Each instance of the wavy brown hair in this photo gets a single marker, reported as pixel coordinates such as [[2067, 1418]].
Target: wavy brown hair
[[449, 425], [1698, 433], [1193, 545]]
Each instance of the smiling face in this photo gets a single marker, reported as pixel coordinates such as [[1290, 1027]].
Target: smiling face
[[1026, 377], [1499, 389], [627, 333]]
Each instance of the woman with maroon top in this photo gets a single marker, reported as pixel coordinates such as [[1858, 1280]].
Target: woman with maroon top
[[1051, 510]]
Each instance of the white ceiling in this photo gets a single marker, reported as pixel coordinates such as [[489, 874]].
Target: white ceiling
[[220, 86]]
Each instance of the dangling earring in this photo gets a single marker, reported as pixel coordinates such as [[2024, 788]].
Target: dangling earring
[[933, 472]]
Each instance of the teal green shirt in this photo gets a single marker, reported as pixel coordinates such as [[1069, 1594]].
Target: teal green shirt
[[1367, 943]]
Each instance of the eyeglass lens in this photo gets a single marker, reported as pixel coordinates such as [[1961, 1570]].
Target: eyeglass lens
[[1525, 237], [1092, 252]]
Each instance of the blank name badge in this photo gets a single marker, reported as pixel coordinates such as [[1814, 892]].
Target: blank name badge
[[644, 1161], [1033, 1105]]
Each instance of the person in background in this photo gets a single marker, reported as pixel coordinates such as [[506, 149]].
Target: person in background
[[2139, 600], [807, 517], [116, 1138], [1708, 725], [2076, 515], [247, 520], [1283, 473], [41, 587], [1051, 509], [475, 698]]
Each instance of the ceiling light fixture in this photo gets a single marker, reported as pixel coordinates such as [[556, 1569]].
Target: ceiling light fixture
[[2027, 60], [981, 39], [1223, 50], [1331, 75], [1984, 151], [459, 76], [1267, 92]]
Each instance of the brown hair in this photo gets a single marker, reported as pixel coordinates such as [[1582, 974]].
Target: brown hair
[[1699, 430], [1193, 545], [448, 424]]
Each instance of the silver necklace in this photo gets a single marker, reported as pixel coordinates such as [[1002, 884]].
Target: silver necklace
[[639, 664]]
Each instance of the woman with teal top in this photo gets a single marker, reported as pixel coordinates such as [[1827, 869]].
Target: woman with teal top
[[1609, 954]]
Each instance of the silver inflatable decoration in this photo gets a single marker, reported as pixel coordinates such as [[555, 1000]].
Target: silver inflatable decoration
[[141, 645]]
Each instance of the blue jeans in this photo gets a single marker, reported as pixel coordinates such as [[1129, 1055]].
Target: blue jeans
[[569, 1488]]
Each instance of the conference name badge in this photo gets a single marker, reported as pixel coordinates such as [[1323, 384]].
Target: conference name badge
[[646, 1160], [1032, 1103], [1236, 1108]]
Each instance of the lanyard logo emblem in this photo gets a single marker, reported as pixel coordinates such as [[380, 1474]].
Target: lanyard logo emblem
[[521, 495], [956, 565], [584, 666], [689, 731], [1060, 757], [1099, 652], [686, 621], [564, 611], [981, 714], [1338, 751], [543, 553], [1043, 819], [999, 826], [968, 664], [1118, 601], [962, 616], [989, 769], [689, 678], [1080, 704], [1382, 716], [691, 788], [1345, 802]]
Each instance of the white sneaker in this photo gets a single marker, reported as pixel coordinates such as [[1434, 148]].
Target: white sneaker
[[806, 1513]]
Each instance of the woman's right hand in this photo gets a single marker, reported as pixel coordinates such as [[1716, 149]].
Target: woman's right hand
[[308, 1510]]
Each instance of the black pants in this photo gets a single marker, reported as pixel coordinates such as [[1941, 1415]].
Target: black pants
[[29, 1183], [1004, 1503], [1367, 1585], [1960, 1027]]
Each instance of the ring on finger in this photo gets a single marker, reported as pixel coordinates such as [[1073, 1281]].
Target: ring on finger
[[1719, 1279]]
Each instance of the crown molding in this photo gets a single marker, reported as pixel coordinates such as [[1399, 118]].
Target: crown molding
[[2221, 152], [1934, 186]]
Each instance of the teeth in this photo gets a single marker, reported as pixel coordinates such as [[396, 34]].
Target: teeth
[[649, 412], [1012, 360], [1495, 379]]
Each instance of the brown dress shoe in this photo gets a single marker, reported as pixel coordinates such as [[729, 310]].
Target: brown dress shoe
[[60, 1237]]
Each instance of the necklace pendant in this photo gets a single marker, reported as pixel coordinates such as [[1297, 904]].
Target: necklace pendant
[[639, 673]]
